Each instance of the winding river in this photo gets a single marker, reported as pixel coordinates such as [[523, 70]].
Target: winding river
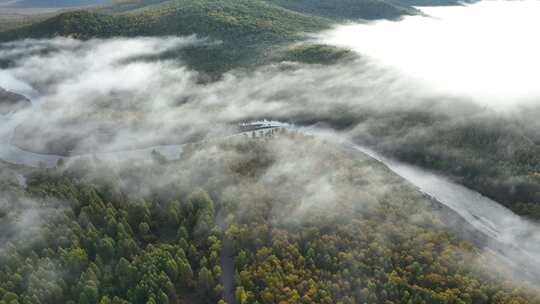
[[14, 155]]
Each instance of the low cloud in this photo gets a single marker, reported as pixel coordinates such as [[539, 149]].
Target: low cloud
[[120, 94], [23, 220], [483, 51], [116, 94]]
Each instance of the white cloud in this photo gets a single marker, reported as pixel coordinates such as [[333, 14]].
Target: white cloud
[[487, 51]]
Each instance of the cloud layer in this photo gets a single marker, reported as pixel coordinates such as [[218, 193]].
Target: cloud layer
[[485, 51], [116, 93]]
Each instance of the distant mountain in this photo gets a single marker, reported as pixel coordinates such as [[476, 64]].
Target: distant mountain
[[10, 101], [431, 2], [347, 9], [221, 19], [340, 9], [121, 6], [53, 3]]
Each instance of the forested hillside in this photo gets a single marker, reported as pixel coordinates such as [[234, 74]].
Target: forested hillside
[[156, 232], [431, 2], [249, 29], [53, 3], [227, 20], [10, 101], [120, 6], [347, 9], [499, 157], [145, 183], [244, 27]]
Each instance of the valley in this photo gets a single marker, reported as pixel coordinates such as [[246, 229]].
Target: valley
[[472, 216], [269, 151]]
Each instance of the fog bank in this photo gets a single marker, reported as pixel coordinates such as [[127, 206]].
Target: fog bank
[[486, 50]]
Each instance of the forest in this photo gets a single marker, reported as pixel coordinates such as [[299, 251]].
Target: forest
[[155, 231], [285, 215]]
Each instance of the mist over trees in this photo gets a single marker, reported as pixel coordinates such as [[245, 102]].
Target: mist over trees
[[334, 228]]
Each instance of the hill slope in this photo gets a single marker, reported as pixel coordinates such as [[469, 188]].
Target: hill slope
[[122, 6], [337, 9], [54, 3], [247, 28], [431, 2], [218, 19], [347, 9], [154, 232]]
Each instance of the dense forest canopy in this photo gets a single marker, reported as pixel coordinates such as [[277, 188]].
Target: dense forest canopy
[[315, 230], [10, 101]]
